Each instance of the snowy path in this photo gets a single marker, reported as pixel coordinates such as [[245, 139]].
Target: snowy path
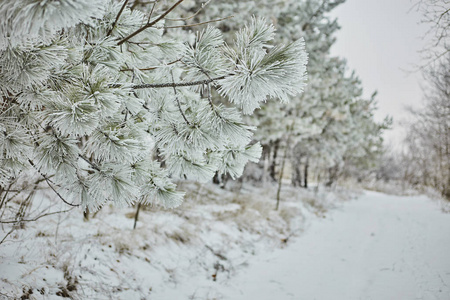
[[376, 247]]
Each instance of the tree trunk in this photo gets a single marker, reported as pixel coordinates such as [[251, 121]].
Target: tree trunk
[[216, 179], [280, 178], [136, 216], [283, 163], [332, 175], [297, 176], [223, 180], [305, 175], [265, 161], [272, 171]]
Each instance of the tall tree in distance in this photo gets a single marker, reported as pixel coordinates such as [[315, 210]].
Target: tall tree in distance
[[426, 162], [323, 124]]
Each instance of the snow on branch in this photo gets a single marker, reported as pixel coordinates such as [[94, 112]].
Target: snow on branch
[[103, 135]]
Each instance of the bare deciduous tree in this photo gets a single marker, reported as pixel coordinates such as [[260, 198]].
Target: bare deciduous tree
[[429, 135], [435, 13]]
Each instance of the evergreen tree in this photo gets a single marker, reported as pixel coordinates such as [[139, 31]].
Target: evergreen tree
[[325, 122], [107, 102]]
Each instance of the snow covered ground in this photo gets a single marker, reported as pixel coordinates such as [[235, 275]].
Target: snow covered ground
[[173, 254], [377, 247], [233, 245]]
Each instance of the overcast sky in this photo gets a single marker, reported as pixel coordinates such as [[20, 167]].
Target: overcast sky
[[380, 40]]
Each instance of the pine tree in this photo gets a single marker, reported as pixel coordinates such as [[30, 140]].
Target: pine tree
[[321, 125], [107, 103]]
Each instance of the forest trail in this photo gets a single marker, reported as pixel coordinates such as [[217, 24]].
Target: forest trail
[[376, 247]]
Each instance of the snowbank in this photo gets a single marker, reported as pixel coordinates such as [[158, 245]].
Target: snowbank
[[184, 253]]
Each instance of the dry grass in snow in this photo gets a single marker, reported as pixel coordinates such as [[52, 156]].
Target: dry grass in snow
[[183, 253]]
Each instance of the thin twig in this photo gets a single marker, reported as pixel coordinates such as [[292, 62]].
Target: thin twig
[[58, 194], [168, 84], [8, 190], [51, 186], [222, 257], [151, 68], [138, 2], [178, 102], [4, 238], [192, 16], [89, 162], [442, 15], [208, 85], [198, 24], [37, 218], [150, 24], [117, 18], [151, 11], [211, 104], [136, 216]]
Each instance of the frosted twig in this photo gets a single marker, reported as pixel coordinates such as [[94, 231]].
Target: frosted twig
[[197, 24], [151, 68], [149, 24], [51, 186], [117, 18], [38, 217], [167, 84], [178, 103], [192, 16]]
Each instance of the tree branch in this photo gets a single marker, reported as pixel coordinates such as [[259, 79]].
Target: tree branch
[[178, 103], [149, 24], [117, 18], [197, 24], [168, 84], [51, 186], [4, 238], [151, 11], [192, 16], [36, 218], [151, 68]]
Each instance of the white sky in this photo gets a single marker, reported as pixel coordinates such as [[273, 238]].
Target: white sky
[[380, 40]]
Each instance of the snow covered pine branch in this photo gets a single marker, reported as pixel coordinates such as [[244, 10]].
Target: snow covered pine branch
[[107, 122]]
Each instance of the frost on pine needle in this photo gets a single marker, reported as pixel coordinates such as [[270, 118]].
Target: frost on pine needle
[[39, 20], [205, 58], [108, 112], [54, 150], [113, 182], [115, 143], [234, 159], [259, 72]]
